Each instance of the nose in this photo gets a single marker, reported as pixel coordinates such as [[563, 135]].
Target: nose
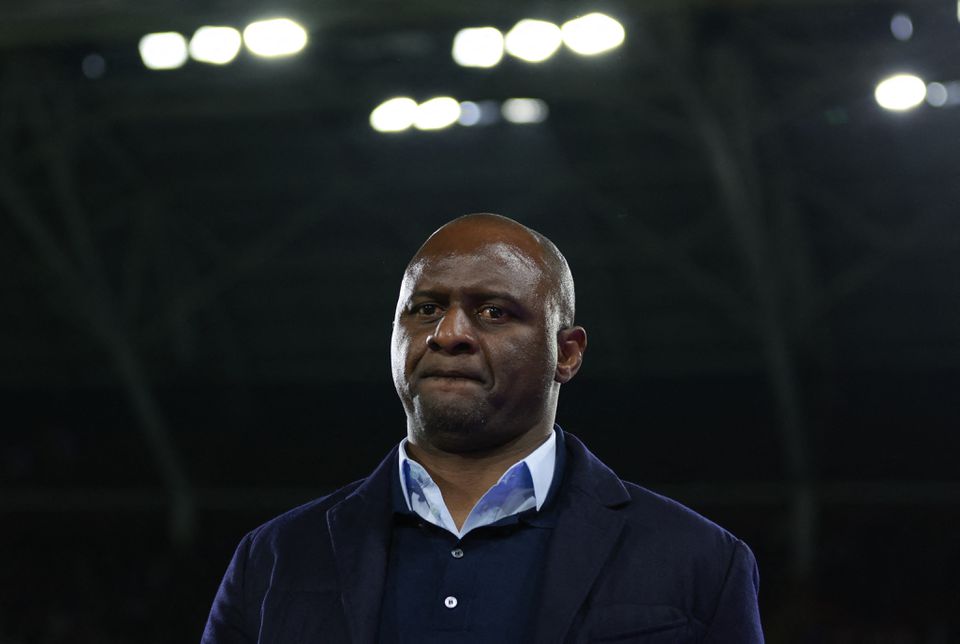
[[454, 333]]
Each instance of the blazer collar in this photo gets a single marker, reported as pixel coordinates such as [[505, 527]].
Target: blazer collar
[[587, 530], [360, 528]]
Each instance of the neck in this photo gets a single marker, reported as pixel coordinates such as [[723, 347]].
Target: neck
[[464, 477]]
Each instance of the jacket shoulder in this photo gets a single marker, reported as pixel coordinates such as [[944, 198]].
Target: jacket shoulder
[[302, 521], [670, 519]]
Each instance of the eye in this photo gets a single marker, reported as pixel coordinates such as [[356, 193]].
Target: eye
[[427, 310], [491, 312]]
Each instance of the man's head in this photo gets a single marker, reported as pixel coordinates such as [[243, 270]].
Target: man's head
[[483, 335]]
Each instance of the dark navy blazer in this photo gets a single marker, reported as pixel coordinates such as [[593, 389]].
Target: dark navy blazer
[[623, 565]]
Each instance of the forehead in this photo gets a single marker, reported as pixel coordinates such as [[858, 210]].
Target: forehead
[[495, 265]]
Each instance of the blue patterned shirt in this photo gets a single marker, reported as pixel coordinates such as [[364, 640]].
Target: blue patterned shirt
[[523, 486]]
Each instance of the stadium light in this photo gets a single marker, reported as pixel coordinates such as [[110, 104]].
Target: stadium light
[[274, 38], [478, 47], [900, 92], [215, 45], [165, 50], [901, 26], [524, 110], [394, 115], [937, 94], [533, 40], [437, 113], [592, 34], [470, 114]]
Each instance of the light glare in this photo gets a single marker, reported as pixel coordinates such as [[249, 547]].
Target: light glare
[[437, 113], [901, 92], [165, 50], [524, 110], [276, 37], [592, 34], [533, 40], [937, 94], [901, 26], [394, 115], [470, 114], [215, 45], [478, 47]]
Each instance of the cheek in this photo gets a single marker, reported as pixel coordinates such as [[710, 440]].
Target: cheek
[[402, 350], [534, 360], [399, 344]]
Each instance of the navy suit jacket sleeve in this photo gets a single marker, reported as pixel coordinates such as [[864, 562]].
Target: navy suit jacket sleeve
[[226, 624], [737, 617]]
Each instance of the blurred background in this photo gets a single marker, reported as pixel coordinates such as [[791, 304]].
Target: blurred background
[[206, 208]]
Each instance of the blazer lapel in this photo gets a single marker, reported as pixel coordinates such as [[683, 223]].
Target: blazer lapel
[[582, 541], [586, 532], [360, 534]]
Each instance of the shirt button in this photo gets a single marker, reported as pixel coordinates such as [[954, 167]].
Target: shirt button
[[457, 553], [450, 602]]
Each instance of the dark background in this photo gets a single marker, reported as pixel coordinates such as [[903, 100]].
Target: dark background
[[198, 270]]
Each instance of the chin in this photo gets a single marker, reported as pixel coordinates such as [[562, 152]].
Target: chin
[[452, 428]]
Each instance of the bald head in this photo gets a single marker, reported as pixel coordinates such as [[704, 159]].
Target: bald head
[[468, 232]]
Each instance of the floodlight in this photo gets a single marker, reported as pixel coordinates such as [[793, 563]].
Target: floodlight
[[478, 47], [437, 113], [215, 45], [592, 34], [901, 26], [937, 94], [524, 110], [470, 113], [276, 37], [900, 92], [394, 115], [533, 40], [165, 50]]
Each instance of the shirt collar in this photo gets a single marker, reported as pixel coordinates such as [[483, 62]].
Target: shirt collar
[[539, 465]]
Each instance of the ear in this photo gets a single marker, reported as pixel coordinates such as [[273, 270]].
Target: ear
[[571, 343]]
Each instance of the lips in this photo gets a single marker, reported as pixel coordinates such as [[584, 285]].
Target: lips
[[452, 374]]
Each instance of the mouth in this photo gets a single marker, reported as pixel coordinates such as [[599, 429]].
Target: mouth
[[452, 375]]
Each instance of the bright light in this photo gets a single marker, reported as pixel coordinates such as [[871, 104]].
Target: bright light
[[166, 50], [937, 94], [900, 92], [470, 113], [592, 34], [216, 45], [277, 37], [533, 40], [394, 115], [524, 110], [437, 113], [944, 94], [901, 26], [478, 47]]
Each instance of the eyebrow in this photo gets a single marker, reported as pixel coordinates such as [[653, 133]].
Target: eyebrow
[[426, 293], [475, 295], [485, 295]]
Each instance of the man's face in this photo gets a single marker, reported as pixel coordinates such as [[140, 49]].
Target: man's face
[[474, 347]]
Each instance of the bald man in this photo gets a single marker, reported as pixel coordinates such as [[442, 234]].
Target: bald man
[[488, 523]]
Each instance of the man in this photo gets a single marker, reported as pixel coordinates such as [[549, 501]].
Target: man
[[488, 523]]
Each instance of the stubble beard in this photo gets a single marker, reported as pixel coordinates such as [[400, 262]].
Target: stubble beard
[[449, 426]]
